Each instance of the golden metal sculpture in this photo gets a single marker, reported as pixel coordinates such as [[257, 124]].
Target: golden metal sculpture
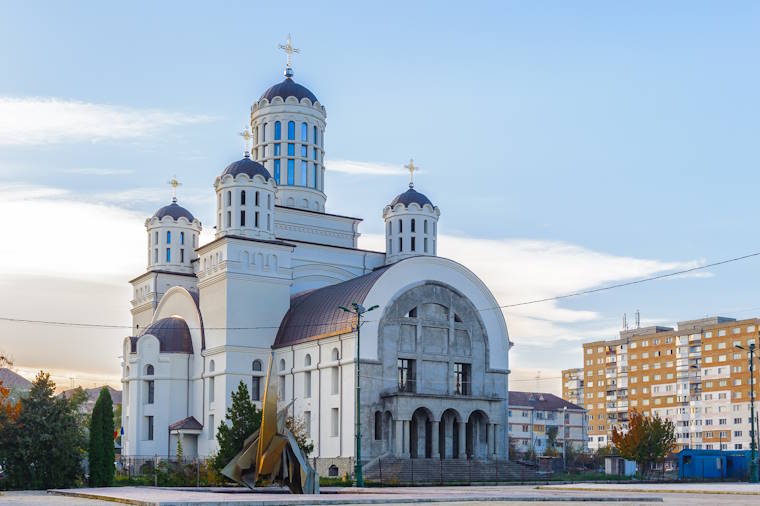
[[271, 454]]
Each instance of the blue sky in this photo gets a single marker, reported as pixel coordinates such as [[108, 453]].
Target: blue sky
[[568, 145]]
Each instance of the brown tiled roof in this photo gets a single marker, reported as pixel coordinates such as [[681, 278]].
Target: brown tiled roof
[[540, 401], [317, 314], [189, 423]]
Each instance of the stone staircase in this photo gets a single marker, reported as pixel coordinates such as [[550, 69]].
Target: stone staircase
[[391, 470]]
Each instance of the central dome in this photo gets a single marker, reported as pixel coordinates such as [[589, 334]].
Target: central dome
[[289, 88], [411, 196], [246, 166], [175, 211]]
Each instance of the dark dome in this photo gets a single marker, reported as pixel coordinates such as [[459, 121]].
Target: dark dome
[[289, 88], [409, 196], [174, 210], [246, 166], [172, 333]]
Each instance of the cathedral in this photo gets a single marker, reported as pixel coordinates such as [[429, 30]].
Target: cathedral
[[279, 280]]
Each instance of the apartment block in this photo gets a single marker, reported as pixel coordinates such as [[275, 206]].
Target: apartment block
[[692, 375], [572, 386], [532, 416]]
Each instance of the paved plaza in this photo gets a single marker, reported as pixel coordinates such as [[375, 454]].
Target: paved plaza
[[712, 494]]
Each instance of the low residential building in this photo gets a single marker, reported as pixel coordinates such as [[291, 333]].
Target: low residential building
[[572, 386], [533, 415]]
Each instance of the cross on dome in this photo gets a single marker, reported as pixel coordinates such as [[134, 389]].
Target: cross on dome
[[412, 169], [246, 134], [174, 184], [289, 49]]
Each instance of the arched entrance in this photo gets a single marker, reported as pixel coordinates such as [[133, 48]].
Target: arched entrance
[[421, 434], [449, 440], [477, 435]]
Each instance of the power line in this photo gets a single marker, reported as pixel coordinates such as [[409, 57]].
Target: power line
[[624, 284]]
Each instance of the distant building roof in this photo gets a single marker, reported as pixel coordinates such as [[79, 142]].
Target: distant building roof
[[189, 423], [93, 393], [14, 381], [540, 400]]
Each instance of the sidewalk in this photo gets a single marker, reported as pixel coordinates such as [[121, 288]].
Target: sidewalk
[[735, 488]]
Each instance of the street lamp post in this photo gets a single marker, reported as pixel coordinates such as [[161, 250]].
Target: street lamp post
[[358, 310], [752, 443], [564, 438]]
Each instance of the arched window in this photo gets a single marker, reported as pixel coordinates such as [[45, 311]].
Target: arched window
[[291, 130], [256, 381], [242, 197], [282, 364], [304, 132], [277, 131], [256, 365], [412, 225], [229, 198], [307, 360], [149, 370], [335, 354], [168, 237], [378, 426]]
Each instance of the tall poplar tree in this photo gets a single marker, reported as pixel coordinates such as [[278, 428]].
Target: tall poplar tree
[[101, 453]]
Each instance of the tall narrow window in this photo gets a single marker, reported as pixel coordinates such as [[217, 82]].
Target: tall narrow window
[[151, 391], [304, 132], [304, 151], [277, 148], [229, 219], [155, 256], [242, 218], [400, 244], [277, 171], [182, 238], [211, 388], [291, 130], [168, 237], [307, 385], [315, 182], [182, 255], [400, 226], [269, 201], [425, 226], [155, 237], [256, 381], [378, 426], [315, 136], [413, 244], [277, 131], [412, 225], [334, 422], [462, 379], [426, 246], [256, 217], [406, 376], [390, 227], [304, 169], [264, 132], [168, 254], [315, 153], [229, 198], [269, 222], [150, 427], [211, 426], [291, 149], [242, 197], [256, 200], [291, 171], [335, 373], [256, 135]]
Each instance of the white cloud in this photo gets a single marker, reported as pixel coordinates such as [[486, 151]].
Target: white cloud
[[39, 120], [367, 168]]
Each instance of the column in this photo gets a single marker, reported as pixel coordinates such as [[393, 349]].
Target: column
[[399, 450], [434, 433], [462, 440], [406, 437], [489, 440]]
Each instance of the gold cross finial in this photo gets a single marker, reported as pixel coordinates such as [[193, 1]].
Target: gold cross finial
[[412, 169], [174, 184], [288, 48], [246, 134]]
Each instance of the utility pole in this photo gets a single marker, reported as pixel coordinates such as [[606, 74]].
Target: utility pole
[[358, 310], [564, 438], [752, 444]]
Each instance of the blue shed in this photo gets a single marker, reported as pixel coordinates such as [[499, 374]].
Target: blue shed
[[713, 464]]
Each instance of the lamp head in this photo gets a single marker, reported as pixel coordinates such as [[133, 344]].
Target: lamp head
[[373, 308], [739, 346], [344, 308], [359, 308]]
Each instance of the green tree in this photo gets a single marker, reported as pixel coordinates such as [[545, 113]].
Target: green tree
[[44, 446], [101, 453], [243, 419], [648, 440]]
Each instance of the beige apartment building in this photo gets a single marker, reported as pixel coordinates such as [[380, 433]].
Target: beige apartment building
[[572, 386], [692, 375]]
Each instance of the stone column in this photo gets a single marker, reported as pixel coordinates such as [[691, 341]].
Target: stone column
[[434, 433], [399, 450], [462, 440], [406, 437]]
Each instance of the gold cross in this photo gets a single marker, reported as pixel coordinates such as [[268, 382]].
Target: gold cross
[[411, 168], [246, 134], [288, 48], [174, 184]]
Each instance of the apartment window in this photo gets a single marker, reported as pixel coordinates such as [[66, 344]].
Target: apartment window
[[334, 422], [462, 379], [406, 375]]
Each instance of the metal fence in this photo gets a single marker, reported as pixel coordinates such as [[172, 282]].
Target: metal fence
[[160, 470]]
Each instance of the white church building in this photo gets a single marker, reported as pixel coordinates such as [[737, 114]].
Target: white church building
[[434, 354]]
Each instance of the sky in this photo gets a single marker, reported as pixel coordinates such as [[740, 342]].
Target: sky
[[569, 146]]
